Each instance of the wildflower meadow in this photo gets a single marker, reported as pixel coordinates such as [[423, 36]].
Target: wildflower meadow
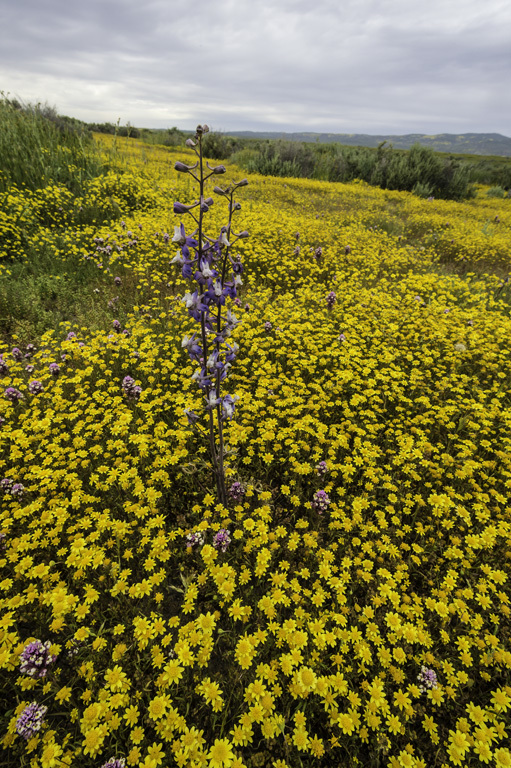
[[326, 580]]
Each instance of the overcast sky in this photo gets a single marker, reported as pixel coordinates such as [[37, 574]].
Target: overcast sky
[[342, 66]]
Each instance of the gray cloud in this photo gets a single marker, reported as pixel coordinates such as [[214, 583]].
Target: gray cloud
[[374, 66]]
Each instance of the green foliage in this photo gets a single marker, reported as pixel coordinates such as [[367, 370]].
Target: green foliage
[[37, 146], [218, 146], [496, 192], [419, 170], [168, 137]]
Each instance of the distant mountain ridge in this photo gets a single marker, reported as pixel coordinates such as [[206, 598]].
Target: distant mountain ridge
[[465, 143]]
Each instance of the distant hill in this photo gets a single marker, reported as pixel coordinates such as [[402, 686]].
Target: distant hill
[[465, 143]]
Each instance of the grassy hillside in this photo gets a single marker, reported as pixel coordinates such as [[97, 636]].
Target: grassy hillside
[[374, 365]]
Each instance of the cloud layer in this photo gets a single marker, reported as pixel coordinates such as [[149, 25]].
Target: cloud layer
[[349, 66]]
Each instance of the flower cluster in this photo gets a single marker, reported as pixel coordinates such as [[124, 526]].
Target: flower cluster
[[222, 539], [115, 762], [331, 299], [195, 539], [237, 492], [36, 659], [17, 489], [13, 395], [321, 468], [35, 387], [31, 720], [427, 679], [130, 389], [320, 502]]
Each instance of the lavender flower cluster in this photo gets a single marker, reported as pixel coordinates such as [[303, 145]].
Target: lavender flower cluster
[[31, 719], [195, 539], [321, 468], [115, 762], [320, 502], [130, 389], [13, 395], [427, 679], [35, 387], [237, 492], [9, 486], [36, 659], [222, 539], [331, 299]]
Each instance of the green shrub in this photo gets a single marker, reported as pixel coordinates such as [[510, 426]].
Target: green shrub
[[37, 147], [496, 192]]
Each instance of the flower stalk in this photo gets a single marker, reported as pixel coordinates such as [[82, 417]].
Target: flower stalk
[[208, 262]]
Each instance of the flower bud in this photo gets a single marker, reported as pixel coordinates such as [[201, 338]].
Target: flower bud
[[219, 169], [242, 183], [242, 234], [218, 191], [182, 168], [181, 208], [190, 143], [209, 201]]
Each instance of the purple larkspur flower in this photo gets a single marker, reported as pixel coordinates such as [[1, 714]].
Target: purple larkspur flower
[[222, 539], [71, 335], [35, 387], [17, 353], [192, 417], [13, 395], [320, 502], [117, 326], [267, 326], [318, 252], [331, 299], [36, 659], [322, 468], [31, 348], [229, 406], [341, 337], [31, 719], [54, 369], [427, 679], [30, 368]]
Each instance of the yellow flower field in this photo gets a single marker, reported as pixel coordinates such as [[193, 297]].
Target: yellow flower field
[[374, 633]]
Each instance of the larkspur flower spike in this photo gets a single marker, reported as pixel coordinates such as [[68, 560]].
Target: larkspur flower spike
[[206, 260]]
